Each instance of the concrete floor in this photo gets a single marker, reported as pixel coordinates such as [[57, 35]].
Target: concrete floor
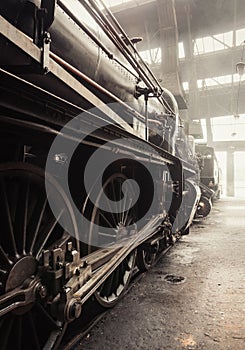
[[207, 311]]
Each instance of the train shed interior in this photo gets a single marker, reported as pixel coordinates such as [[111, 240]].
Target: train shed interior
[[122, 174], [194, 48], [194, 297]]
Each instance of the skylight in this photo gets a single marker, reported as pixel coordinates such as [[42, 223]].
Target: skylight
[[213, 43], [181, 50], [217, 81], [240, 36], [152, 56], [111, 3], [185, 85]]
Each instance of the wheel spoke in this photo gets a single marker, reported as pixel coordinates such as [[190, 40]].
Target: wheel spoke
[[146, 257], [129, 221], [7, 218], [18, 332], [127, 213], [116, 281], [13, 193], [121, 274], [28, 226], [25, 216], [111, 211], [5, 332], [20, 225], [4, 257], [3, 271], [124, 205], [45, 235], [111, 290], [105, 218], [49, 319], [34, 331], [114, 286], [39, 212], [106, 290], [120, 201], [115, 200]]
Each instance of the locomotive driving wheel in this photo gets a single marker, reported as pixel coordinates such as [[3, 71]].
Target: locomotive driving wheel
[[116, 284], [108, 227], [28, 228], [204, 207], [146, 256]]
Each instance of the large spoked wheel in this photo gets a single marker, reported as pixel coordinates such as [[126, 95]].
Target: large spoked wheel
[[204, 207], [146, 256], [28, 227], [111, 225], [116, 284], [108, 227]]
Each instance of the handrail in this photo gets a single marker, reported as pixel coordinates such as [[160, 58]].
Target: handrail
[[125, 47], [119, 38], [93, 37]]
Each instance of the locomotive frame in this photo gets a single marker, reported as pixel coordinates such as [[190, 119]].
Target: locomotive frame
[[47, 273]]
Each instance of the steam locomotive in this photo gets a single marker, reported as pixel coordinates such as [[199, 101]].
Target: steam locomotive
[[210, 179], [210, 174], [75, 94]]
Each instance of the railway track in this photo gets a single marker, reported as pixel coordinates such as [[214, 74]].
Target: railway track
[[96, 173]]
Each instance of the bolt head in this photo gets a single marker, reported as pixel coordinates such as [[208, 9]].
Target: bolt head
[[42, 291], [75, 310]]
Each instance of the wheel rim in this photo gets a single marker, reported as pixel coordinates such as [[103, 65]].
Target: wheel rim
[[116, 284], [121, 225], [146, 256], [28, 227], [204, 207]]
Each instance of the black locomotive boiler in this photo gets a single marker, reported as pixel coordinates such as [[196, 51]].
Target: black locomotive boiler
[[75, 94]]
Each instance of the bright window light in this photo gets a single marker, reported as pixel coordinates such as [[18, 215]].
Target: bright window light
[[152, 56], [239, 174], [200, 83], [217, 81], [181, 50], [80, 13], [213, 43], [222, 161], [208, 44], [185, 85], [204, 130], [240, 36], [111, 3], [228, 128], [225, 79], [228, 38]]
